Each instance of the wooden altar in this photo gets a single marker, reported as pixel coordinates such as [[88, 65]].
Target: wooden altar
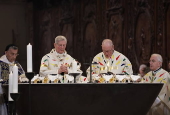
[[87, 99]]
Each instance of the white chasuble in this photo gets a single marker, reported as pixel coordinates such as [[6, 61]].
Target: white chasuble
[[51, 62], [117, 64], [161, 106]]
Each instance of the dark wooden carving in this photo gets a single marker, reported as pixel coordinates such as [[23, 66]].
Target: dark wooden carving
[[138, 28], [162, 42], [167, 38], [66, 24], [115, 24], [89, 30], [143, 37], [45, 31], [140, 33]]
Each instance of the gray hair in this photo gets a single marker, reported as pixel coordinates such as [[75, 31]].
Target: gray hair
[[60, 38], [11, 46], [107, 42], [142, 66], [159, 57]]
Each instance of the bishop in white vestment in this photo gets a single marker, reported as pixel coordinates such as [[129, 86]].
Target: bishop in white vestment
[[57, 61], [161, 106], [110, 60]]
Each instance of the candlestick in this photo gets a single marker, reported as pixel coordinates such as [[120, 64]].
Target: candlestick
[[29, 58], [10, 87], [15, 97], [15, 79]]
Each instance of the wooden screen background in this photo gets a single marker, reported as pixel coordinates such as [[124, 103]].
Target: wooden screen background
[[138, 28]]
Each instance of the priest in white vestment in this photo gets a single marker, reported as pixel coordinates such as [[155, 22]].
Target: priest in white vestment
[[161, 106], [110, 60], [57, 61]]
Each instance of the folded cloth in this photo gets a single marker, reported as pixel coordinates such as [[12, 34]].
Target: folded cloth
[[107, 77], [120, 77], [135, 77]]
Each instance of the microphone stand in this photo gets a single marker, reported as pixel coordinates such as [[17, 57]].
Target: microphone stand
[[90, 64]]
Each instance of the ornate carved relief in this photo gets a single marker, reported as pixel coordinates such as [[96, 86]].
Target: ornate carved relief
[[66, 24], [159, 32], [131, 53], [145, 28], [113, 4], [162, 32], [103, 27], [167, 31], [68, 33], [115, 24], [45, 31], [143, 31], [115, 31], [89, 30], [167, 34]]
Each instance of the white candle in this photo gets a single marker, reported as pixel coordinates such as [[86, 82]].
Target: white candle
[[74, 66], [15, 79], [10, 86], [29, 58]]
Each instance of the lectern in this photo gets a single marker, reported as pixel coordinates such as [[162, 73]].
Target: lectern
[[87, 99]]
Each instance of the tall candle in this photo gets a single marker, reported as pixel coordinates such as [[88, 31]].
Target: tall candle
[[10, 86], [15, 79], [29, 58], [74, 66]]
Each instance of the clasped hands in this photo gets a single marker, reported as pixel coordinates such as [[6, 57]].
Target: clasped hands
[[63, 68]]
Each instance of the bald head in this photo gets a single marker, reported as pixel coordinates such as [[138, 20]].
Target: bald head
[[107, 42], [107, 47]]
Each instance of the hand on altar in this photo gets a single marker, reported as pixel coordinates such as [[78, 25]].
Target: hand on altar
[[63, 68]]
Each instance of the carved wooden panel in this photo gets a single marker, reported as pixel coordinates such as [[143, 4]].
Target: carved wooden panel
[[162, 41], [143, 36], [66, 24], [140, 33], [167, 34], [138, 28], [115, 23]]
